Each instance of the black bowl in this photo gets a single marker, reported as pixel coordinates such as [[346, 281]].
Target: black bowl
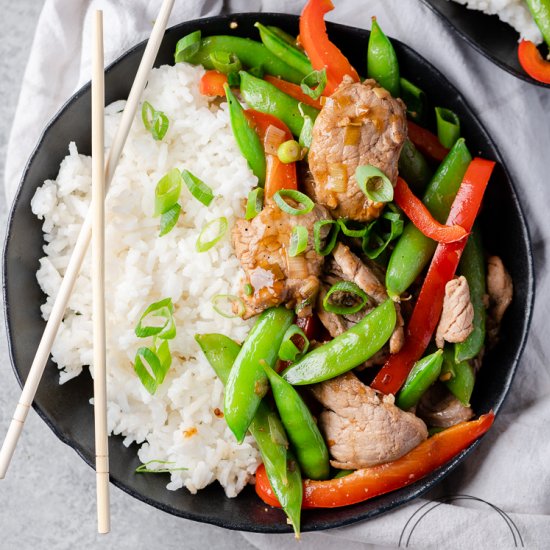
[[491, 37], [66, 409]]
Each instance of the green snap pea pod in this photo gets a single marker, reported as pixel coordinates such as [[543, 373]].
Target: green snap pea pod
[[448, 126], [301, 428], [285, 36], [247, 382], [415, 100], [250, 53], [414, 168], [382, 62], [343, 473], [424, 373], [247, 139], [280, 47], [472, 266], [413, 250], [284, 476], [458, 376], [346, 351], [540, 10], [266, 98]]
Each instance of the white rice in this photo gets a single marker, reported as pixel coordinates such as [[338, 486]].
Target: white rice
[[179, 423], [514, 12]]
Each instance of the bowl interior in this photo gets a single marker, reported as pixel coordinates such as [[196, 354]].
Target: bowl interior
[[66, 408]]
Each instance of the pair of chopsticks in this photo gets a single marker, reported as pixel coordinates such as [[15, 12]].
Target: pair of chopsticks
[[102, 175]]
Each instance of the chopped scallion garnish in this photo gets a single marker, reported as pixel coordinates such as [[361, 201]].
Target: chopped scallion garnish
[[202, 192], [255, 203], [374, 183], [448, 126], [289, 351], [228, 305], [144, 469], [154, 121], [307, 129], [150, 369], [225, 62], [169, 219], [205, 241], [303, 200], [167, 191], [298, 240], [377, 238], [349, 231], [314, 83], [187, 47], [157, 320], [330, 238], [346, 287]]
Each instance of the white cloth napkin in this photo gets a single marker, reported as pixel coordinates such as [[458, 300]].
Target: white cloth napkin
[[510, 468]]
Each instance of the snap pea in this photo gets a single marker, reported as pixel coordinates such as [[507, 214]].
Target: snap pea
[[284, 476], [301, 428], [414, 168], [285, 36], [266, 98], [414, 98], [286, 52], [251, 54], [346, 351], [472, 266], [424, 373], [540, 10], [382, 64], [247, 382], [448, 126], [247, 139], [458, 376], [414, 250]]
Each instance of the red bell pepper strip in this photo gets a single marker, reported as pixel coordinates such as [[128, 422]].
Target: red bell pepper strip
[[321, 51], [278, 175], [377, 480], [426, 142], [212, 82], [532, 62], [293, 90], [427, 309], [420, 216]]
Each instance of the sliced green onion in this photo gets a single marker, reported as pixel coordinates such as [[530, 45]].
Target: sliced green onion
[[374, 183], [314, 83], [255, 203], [276, 431], [220, 224], [298, 240], [169, 219], [225, 62], [414, 98], [303, 200], [234, 80], [161, 311], [154, 121], [198, 188], [289, 351], [376, 240], [228, 305], [144, 468], [330, 239], [289, 151], [349, 288], [349, 231], [307, 129], [164, 356], [448, 126], [167, 191], [147, 376], [187, 47], [248, 289]]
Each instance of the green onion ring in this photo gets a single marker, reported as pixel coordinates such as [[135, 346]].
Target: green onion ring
[[303, 200], [202, 192], [350, 288], [374, 183], [356, 233], [289, 351], [225, 62], [298, 240], [307, 129], [144, 469], [187, 47], [255, 203], [331, 241], [154, 121], [163, 309], [149, 382], [169, 219], [314, 83], [231, 299], [448, 126], [202, 245], [167, 191]]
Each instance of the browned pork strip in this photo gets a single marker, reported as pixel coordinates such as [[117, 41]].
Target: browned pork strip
[[261, 245], [439, 408], [362, 427], [501, 290], [360, 124]]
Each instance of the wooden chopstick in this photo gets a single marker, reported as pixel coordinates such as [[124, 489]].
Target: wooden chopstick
[[98, 276], [81, 246]]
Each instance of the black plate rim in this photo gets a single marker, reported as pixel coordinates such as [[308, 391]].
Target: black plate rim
[[485, 53], [424, 484]]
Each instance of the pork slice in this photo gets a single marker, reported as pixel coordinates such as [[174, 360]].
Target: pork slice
[[439, 408], [360, 124], [501, 290], [362, 427]]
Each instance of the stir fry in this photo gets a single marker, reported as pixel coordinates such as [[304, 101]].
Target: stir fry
[[362, 265]]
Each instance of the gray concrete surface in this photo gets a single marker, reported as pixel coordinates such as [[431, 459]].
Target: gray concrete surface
[[48, 496]]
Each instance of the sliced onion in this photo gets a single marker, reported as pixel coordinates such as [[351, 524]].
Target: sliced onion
[[297, 267]]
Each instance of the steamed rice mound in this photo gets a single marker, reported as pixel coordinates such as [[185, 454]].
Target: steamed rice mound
[[182, 423]]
